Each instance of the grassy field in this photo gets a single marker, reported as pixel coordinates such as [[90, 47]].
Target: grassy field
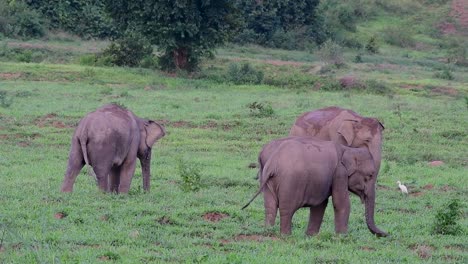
[[212, 126]]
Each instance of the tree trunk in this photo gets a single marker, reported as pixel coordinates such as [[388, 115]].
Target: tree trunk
[[180, 56]]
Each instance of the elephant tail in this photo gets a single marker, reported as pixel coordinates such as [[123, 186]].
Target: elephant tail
[[264, 177], [83, 141]]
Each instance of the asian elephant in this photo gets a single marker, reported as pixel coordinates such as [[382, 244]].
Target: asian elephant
[[305, 172], [109, 140], [342, 126]]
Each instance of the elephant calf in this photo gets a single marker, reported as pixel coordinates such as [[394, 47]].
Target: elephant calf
[[109, 140], [305, 172]]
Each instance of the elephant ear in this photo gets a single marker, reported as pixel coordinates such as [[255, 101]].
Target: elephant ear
[[349, 161], [346, 129], [154, 131]]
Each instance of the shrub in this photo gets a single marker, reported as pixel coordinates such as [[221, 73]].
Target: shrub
[[190, 174], [372, 46], [18, 20], [261, 109], [5, 100], [398, 36], [377, 87], [331, 53], [245, 74], [445, 222], [445, 74], [127, 51]]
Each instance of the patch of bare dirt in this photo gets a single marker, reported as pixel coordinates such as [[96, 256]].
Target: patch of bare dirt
[[445, 91], [436, 163], [412, 87], [164, 221], [460, 248], [10, 75], [428, 187], [272, 62], [60, 215], [423, 251], [447, 188], [416, 194], [24, 144], [51, 120], [214, 216], [366, 248]]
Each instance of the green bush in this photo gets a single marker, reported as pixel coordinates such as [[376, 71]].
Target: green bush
[[398, 36], [128, 51], [190, 173], [245, 74], [17, 20], [445, 74], [261, 109], [331, 53], [446, 219], [5, 100], [372, 46]]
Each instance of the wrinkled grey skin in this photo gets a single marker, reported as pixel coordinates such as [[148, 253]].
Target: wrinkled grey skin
[[342, 126], [109, 140], [305, 172]]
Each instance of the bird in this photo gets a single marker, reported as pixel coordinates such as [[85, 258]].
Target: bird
[[403, 188]]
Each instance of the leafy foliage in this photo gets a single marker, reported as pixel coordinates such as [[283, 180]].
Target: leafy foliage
[[286, 24], [245, 74], [258, 109], [128, 51], [5, 100], [331, 53], [17, 20], [183, 30], [86, 18], [190, 173], [446, 220]]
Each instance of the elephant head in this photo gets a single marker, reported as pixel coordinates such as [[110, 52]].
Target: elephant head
[[362, 174], [150, 132], [359, 132]]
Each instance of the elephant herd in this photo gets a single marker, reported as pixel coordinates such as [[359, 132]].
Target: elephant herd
[[328, 152]]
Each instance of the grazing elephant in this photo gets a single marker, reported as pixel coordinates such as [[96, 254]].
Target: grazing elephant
[[305, 172], [342, 126], [109, 140]]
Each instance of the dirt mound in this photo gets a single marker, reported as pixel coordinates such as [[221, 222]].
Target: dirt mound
[[10, 75], [214, 216]]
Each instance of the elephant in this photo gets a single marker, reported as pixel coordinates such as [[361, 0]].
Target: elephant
[[305, 172], [109, 140], [342, 126]]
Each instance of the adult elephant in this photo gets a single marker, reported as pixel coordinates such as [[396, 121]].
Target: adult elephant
[[109, 140], [305, 172], [342, 126]]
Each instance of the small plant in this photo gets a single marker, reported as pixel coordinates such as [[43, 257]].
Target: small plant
[[5, 101], [245, 74], [358, 58], [127, 51], [190, 174], [261, 109], [398, 36], [372, 46], [445, 74], [331, 53], [446, 219]]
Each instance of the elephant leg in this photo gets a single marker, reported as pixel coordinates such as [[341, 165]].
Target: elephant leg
[[126, 174], [271, 207], [286, 220], [102, 174], [316, 218], [114, 179], [342, 207], [75, 164]]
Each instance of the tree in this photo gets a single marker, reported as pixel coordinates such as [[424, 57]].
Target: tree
[[184, 30]]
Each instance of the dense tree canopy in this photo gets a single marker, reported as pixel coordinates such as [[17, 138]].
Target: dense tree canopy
[[184, 30]]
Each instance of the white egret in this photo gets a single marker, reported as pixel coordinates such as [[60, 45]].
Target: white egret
[[403, 188]]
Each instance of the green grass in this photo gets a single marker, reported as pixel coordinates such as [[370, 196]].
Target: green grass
[[209, 123]]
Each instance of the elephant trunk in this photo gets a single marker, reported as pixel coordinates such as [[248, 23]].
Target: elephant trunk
[[369, 208], [145, 168]]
